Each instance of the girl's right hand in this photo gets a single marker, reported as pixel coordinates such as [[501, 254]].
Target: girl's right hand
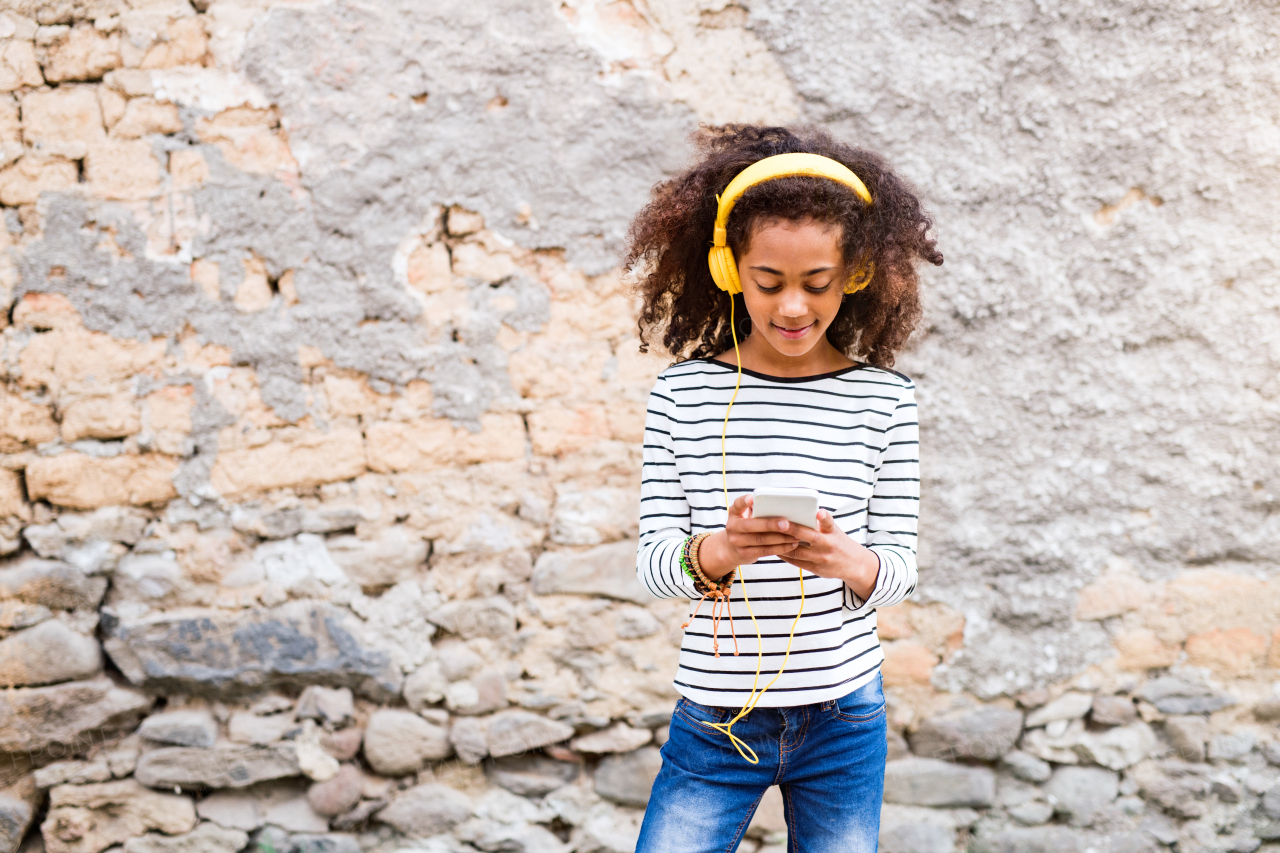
[[744, 540]]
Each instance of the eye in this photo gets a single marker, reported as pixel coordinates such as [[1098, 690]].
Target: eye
[[769, 290], [818, 289]]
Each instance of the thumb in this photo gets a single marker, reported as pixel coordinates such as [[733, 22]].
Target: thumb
[[826, 523], [740, 506]]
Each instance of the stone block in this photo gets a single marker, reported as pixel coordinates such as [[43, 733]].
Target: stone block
[[187, 169], [221, 767], [80, 481], [1079, 792], [617, 738], [332, 706], [62, 122], [1117, 748], [1141, 649], [48, 653], [1232, 652], [52, 584], [181, 728], [1112, 594], [337, 795], [65, 719], [1174, 696], [18, 65], [18, 804], [594, 516], [90, 818], [395, 555], [1267, 711], [10, 130], [531, 775], [398, 742], [73, 773], [302, 462], [123, 169], [470, 739], [1038, 839], [21, 422], [205, 838], [249, 140], [930, 782], [483, 692], [512, 732], [606, 570], [911, 829], [221, 653], [557, 431], [908, 663], [232, 809], [985, 733], [1068, 706], [430, 444], [12, 500], [183, 43], [81, 52], [305, 842], [426, 810], [1188, 736], [23, 181], [109, 416], [1112, 711], [145, 116], [627, 778], [246, 727], [1231, 747], [477, 617]]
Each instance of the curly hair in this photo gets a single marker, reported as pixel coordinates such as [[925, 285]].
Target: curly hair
[[667, 242]]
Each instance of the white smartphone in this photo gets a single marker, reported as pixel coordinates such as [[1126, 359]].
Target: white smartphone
[[799, 506]]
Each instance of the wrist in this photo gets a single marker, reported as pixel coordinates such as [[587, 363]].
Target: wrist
[[714, 557], [862, 576]]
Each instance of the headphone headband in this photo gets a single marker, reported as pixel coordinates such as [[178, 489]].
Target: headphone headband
[[724, 269]]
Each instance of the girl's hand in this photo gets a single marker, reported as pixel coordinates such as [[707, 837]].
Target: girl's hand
[[745, 540], [829, 552]]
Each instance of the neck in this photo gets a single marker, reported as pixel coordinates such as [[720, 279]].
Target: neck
[[757, 355]]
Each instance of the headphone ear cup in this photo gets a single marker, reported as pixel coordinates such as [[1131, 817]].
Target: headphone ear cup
[[724, 269], [861, 278]]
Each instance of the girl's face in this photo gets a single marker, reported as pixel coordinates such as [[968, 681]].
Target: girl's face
[[793, 281]]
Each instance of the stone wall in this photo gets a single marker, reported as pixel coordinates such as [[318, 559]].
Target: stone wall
[[321, 402]]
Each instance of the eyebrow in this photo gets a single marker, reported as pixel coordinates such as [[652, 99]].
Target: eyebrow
[[772, 271]]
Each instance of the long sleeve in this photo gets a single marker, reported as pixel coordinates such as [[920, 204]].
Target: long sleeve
[[664, 510], [894, 509]]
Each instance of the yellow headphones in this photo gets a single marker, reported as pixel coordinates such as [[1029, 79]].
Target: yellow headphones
[[724, 267]]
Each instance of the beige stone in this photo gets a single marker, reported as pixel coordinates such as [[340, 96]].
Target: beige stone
[[109, 416], [90, 818], [45, 311], [130, 82], [472, 260], [429, 444], [76, 359], [170, 408], [1141, 649], [143, 116], [18, 65], [184, 43], [204, 272], [22, 182], [398, 742], [462, 222], [250, 140], [123, 169], [12, 502], [84, 482], [307, 460], [429, 270], [348, 396], [62, 122], [907, 662], [188, 168], [10, 130], [82, 53], [1111, 595], [1273, 656], [254, 291], [555, 430], [23, 423], [1230, 652]]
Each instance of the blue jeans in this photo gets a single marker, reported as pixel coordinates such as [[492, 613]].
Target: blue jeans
[[827, 758]]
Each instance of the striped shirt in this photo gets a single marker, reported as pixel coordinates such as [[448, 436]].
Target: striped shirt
[[852, 435]]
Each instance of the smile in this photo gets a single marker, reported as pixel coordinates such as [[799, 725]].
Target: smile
[[793, 334]]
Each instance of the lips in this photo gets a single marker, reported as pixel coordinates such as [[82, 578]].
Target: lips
[[793, 334]]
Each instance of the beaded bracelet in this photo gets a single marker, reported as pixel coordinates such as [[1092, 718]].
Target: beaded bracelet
[[690, 565]]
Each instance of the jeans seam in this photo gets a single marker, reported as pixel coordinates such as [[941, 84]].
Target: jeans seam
[[793, 840], [742, 828], [849, 718]]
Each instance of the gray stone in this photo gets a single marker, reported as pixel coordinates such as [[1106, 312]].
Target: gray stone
[[48, 653], [484, 692], [1271, 752], [66, 719], [223, 767], [982, 733], [394, 556], [896, 743], [617, 738], [1032, 812], [531, 775], [1079, 792], [90, 818], [470, 739], [18, 805], [627, 777], [426, 810], [302, 842], [1172, 785], [477, 617], [908, 829], [1188, 736], [1231, 747], [931, 782], [1027, 767], [244, 727], [1068, 706], [337, 795], [232, 809], [73, 773], [328, 705], [426, 686], [1267, 711], [225, 653], [1117, 748], [15, 615], [1038, 839], [512, 732], [181, 728], [1175, 696], [52, 583], [399, 742], [359, 816], [1113, 711], [1271, 802], [205, 838], [606, 570]]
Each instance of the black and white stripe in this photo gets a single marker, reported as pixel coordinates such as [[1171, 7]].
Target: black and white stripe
[[853, 436]]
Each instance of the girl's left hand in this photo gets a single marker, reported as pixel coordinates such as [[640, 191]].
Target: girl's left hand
[[829, 552]]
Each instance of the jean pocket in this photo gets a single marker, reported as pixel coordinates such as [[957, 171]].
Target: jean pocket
[[697, 713], [862, 705]]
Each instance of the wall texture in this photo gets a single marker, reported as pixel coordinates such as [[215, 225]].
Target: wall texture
[[320, 409]]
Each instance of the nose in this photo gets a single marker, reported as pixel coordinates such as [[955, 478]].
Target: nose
[[793, 303]]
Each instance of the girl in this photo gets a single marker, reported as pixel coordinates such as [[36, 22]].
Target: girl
[[812, 260]]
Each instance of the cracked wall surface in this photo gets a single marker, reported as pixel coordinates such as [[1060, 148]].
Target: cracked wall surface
[[321, 406]]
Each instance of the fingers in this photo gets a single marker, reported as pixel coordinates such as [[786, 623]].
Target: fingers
[[740, 506]]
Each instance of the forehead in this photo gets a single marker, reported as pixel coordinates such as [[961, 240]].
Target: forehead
[[799, 239]]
